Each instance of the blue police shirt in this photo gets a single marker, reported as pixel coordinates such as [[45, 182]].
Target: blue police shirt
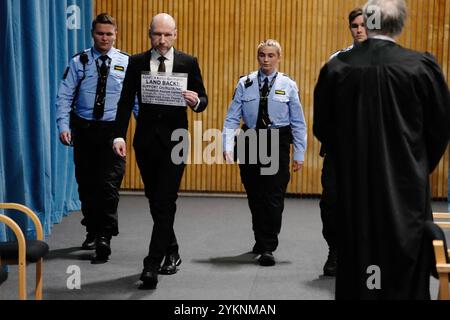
[[84, 106], [284, 109]]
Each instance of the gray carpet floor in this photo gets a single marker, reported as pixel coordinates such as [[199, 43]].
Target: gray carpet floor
[[215, 237]]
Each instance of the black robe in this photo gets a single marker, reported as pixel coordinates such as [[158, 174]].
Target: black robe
[[383, 111]]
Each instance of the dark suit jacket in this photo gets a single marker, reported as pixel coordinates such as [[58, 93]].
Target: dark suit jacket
[[169, 118]]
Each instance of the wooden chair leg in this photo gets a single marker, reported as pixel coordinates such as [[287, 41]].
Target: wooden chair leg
[[22, 281], [443, 287], [39, 266]]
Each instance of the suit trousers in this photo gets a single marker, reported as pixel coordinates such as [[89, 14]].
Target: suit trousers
[[99, 173], [162, 178], [328, 201], [266, 193]]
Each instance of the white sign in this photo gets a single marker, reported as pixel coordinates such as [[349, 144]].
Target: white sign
[[163, 88]]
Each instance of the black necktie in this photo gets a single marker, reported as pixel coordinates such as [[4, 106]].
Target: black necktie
[[99, 107], [263, 116], [265, 87], [162, 65]]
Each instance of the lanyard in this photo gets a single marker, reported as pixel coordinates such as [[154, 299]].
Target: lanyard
[[270, 85]]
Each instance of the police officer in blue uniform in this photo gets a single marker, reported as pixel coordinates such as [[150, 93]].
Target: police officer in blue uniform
[[86, 112], [268, 102]]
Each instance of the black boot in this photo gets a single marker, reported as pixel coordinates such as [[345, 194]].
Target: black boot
[[329, 269]]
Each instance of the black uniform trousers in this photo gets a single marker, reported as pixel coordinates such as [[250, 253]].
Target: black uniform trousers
[[99, 172], [266, 193], [328, 201], [162, 178]]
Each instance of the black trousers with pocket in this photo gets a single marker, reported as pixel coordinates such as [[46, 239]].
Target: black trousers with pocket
[[99, 173], [266, 193]]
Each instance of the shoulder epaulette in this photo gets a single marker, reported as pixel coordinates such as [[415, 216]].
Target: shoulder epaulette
[[246, 75], [124, 53], [247, 82], [76, 55]]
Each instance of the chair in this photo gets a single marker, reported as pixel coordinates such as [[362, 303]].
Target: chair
[[441, 267], [440, 218], [23, 251]]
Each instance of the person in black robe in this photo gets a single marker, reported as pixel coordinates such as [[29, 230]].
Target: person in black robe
[[383, 111], [328, 178]]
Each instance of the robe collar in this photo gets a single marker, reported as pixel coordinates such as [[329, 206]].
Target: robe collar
[[383, 37]]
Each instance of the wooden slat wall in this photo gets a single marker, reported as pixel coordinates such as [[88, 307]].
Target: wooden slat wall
[[224, 36]]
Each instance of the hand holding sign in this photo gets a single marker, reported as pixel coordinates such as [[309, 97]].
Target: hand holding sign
[[191, 98]]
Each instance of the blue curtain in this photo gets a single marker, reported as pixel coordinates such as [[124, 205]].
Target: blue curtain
[[37, 39]]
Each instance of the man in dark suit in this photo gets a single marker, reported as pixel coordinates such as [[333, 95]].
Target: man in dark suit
[[153, 138], [383, 112]]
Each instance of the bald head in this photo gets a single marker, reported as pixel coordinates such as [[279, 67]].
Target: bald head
[[163, 32], [163, 19]]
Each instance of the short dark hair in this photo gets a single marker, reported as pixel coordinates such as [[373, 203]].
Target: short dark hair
[[355, 13], [104, 18]]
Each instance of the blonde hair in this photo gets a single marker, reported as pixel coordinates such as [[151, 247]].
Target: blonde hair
[[270, 43]]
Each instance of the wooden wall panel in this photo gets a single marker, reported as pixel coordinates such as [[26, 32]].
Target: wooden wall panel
[[224, 36]]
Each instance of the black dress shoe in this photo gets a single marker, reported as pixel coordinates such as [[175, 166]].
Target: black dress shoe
[[89, 243], [102, 248], [170, 264], [266, 259], [149, 278], [330, 267]]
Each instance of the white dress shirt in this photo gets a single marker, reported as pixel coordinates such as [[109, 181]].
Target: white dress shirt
[[154, 62]]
